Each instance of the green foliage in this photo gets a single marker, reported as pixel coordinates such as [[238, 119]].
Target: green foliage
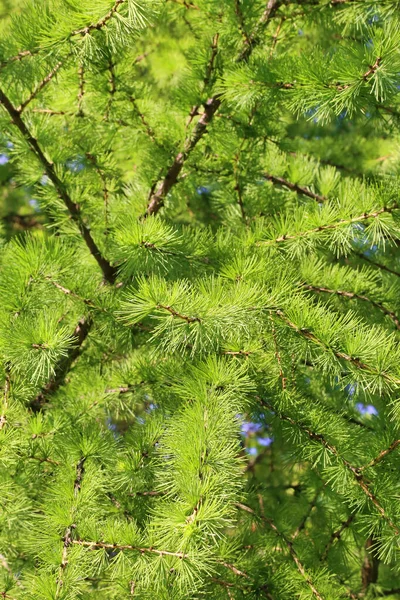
[[199, 299]]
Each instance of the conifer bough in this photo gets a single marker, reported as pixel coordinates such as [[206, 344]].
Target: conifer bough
[[199, 299]]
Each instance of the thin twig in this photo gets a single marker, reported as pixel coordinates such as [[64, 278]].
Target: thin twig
[[289, 545], [294, 187], [39, 87], [354, 296]]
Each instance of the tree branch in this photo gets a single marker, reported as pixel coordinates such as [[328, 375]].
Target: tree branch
[[381, 455], [81, 332], [354, 296], [355, 471], [356, 362], [109, 271], [39, 87], [289, 545], [364, 217], [101, 23], [295, 188], [68, 539], [336, 535]]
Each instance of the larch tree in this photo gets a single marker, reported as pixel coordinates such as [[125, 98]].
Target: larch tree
[[199, 299]]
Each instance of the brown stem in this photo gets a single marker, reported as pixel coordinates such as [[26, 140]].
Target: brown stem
[[81, 90], [156, 200], [109, 271], [370, 568], [354, 296], [68, 535], [270, 10], [178, 315], [207, 77], [101, 23], [140, 549], [381, 455], [356, 362], [295, 188], [303, 522], [372, 215], [377, 265], [355, 471], [18, 57], [336, 535], [6, 393], [80, 334], [39, 87], [160, 191], [289, 545]]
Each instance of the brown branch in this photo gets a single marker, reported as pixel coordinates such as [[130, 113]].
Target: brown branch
[[81, 90], [355, 471], [354, 296], [356, 362], [178, 315], [377, 265], [240, 19], [18, 57], [252, 40], [108, 270], [381, 455], [156, 199], [159, 192], [310, 508], [295, 188], [275, 37], [336, 535], [207, 77], [372, 215], [372, 69], [44, 460], [370, 568], [39, 87], [6, 394], [101, 23], [68, 539], [80, 334], [69, 292], [289, 545], [140, 549], [149, 129]]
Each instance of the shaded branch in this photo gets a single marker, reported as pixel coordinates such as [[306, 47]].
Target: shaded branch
[[376, 264], [288, 544], [337, 534], [355, 471], [80, 334], [109, 271]]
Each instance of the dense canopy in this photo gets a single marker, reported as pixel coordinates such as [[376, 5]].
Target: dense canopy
[[199, 299]]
